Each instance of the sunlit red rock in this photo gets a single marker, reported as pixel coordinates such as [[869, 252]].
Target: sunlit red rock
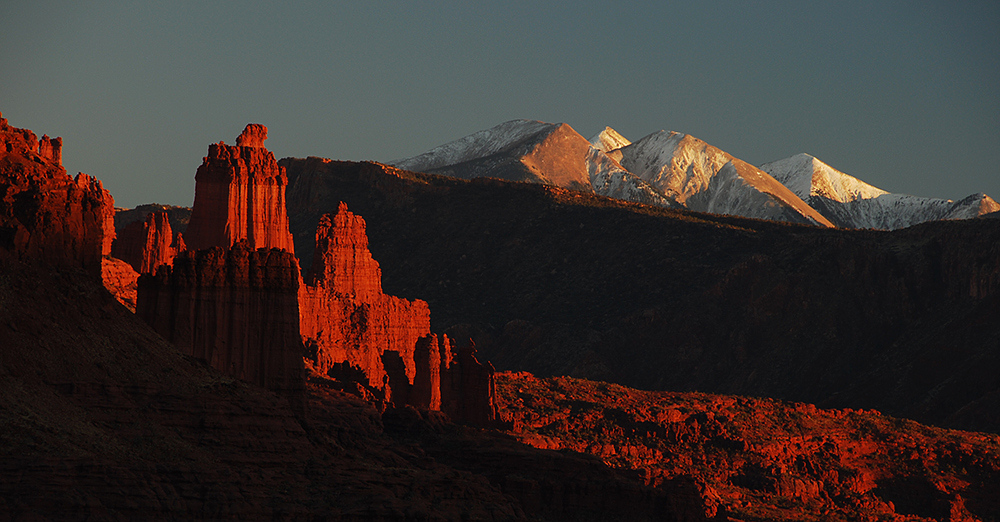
[[46, 215], [764, 459], [240, 196], [343, 310], [121, 280]]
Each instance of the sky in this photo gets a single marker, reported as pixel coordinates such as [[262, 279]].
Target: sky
[[904, 95]]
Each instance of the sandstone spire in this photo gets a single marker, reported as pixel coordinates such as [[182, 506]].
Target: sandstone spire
[[240, 196]]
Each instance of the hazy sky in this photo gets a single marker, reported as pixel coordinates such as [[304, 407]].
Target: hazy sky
[[904, 95]]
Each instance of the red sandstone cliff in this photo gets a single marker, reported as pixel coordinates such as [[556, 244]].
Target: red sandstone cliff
[[235, 308], [343, 310], [240, 196], [46, 215], [147, 244]]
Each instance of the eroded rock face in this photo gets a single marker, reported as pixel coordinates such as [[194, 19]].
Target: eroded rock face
[[46, 215], [235, 308], [346, 319], [764, 459], [121, 280], [343, 310], [146, 244], [240, 196]]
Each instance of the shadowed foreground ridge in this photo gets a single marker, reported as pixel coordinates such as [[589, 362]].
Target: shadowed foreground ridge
[[563, 283]]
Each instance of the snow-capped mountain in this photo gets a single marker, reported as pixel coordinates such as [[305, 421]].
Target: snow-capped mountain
[[518, 150], [677, 170], [706, 179], [850, 202]]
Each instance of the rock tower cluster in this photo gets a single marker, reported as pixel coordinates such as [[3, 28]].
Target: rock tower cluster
[[234, 295]]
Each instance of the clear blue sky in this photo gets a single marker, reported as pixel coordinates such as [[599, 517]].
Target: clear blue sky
[[905, 95]]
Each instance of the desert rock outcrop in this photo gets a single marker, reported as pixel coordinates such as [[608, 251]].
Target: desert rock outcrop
[[46, 215], [240, 196], [343, 310]]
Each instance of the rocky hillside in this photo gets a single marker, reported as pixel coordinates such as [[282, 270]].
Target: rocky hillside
[[762, 459]]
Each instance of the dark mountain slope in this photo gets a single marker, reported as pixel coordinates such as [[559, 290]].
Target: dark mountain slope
[[559, 282]]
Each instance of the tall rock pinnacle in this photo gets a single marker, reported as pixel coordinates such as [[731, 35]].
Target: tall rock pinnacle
[[240, 196]]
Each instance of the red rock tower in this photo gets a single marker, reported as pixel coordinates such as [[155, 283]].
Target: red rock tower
[[146, 244], [240, 196], [343, 310]]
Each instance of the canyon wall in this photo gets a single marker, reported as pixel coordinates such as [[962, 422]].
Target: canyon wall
[[240, 196], [46, 215]]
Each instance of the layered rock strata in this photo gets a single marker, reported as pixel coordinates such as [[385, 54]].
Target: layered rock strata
[[240, 196], [46, 215], [147, 244], [235, 308]]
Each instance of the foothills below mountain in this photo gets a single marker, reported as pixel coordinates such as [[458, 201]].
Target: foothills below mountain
[[249, 361]]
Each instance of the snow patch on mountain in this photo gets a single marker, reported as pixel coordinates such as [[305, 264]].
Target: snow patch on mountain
[[849, 202], [807, 176], [611, 180], [706, 179], [608, 141], [476, 145]]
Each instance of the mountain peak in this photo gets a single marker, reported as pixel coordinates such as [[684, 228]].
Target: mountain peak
[[608, 140], [807, 176]]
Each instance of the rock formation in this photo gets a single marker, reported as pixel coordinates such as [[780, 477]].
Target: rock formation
[[240, 196], [342, 307], [147, 244], [764, 459], [468, 388], [46, 215], [121, 280], [235, 308], [243, 308]]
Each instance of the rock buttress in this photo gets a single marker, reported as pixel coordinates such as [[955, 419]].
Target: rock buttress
[[237, 309], [342, 307], [46, 215], [240, 196], [468, 388], [146, 244]]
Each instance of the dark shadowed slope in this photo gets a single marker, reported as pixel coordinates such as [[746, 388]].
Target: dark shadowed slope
[[559, 282]]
